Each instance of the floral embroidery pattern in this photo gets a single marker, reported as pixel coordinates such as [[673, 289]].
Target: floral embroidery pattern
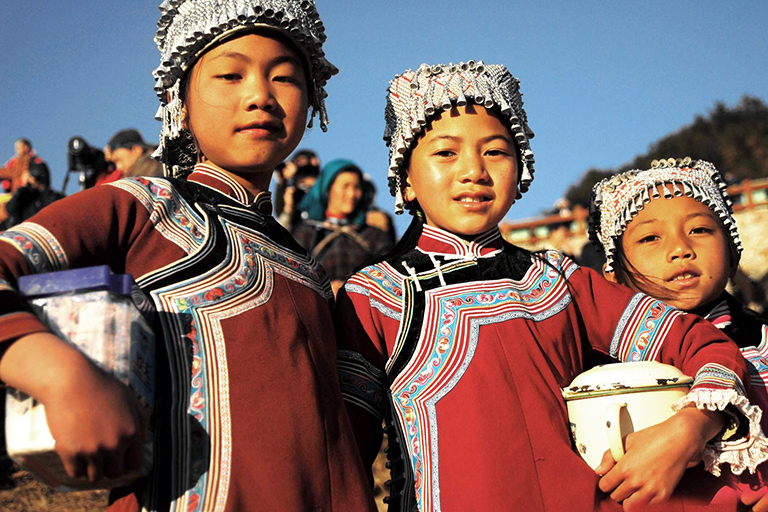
[[445, 351], [39, 247], [642, 329], [169, 213]]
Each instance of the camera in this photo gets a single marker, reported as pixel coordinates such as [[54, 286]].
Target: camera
[[85, 159]]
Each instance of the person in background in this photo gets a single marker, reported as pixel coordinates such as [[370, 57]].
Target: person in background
[[34, 194], [5, 196], [293, 179], [131, 155], [375, 216], [297, 176], [333, 225], [18, 163]]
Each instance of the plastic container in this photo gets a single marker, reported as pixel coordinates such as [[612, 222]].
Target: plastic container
[[105, 316], [611, 401]]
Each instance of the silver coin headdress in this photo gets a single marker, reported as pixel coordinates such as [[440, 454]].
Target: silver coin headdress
[[187, 28], [414, 97], [617, 199]]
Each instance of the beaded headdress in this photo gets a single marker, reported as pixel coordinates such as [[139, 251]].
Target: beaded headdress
[[617, 199], [187, 28], [416, 96]]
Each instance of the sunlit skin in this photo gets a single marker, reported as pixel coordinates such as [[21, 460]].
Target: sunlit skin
[[680, 245], [463, 171], [21, 148], [124, 158], [344, 195], [247, 107]]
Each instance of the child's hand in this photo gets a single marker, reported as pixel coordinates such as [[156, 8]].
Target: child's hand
[[758, 500], [98, 426], [656, 458], [97, 422]]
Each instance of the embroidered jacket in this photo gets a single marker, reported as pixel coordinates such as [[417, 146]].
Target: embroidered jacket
[[750, 332], [249, 410], [463, 347]]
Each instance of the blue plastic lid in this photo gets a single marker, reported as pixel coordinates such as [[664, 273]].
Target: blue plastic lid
[[87, 279]]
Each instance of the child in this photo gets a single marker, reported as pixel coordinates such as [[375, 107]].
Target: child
[[462, 342], [249, 414], [683, 249]]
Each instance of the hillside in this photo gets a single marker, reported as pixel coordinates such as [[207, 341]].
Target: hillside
[[734, 139]]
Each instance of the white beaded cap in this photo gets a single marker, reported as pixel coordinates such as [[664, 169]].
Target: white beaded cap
[[187, 27], [617, 199], [414, 97]]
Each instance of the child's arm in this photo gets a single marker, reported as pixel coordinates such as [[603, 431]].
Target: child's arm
[[656, 458], [93, 418], [634, 327], [96, 421], [362, 356]]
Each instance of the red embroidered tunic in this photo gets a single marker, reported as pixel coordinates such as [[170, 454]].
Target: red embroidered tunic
[[249, 410], [750, 332], [463, 348]]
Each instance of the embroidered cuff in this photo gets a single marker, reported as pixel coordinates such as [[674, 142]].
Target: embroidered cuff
[[743, 453]]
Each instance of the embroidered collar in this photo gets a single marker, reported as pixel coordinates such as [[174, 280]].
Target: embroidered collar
[[719, 315], [435, 240], [218, 180]]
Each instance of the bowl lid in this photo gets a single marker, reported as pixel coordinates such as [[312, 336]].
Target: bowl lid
[[625, 376]]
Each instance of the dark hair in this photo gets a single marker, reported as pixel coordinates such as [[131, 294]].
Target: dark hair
[[628, 275], [38, 169], [24, 141], [350, 168]]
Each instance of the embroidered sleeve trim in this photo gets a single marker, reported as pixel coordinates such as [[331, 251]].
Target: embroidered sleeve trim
[[716, 376], [40, 248], [170, 215], [381, 286], [741, 454], [642, 329], [758, 359], [386, 311], [362, 383]]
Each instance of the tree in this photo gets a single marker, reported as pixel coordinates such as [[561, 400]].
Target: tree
[[735, 140]]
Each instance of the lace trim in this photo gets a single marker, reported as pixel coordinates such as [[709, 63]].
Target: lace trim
[[740, 454]]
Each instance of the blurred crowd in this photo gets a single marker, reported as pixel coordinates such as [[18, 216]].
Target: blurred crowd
[[330, 209], [26, 179]]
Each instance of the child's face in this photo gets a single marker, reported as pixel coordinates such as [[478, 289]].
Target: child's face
[[679, 244], [247, 105], [463, 171]]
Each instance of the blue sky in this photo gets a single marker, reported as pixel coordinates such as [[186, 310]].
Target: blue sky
[[601, 80]]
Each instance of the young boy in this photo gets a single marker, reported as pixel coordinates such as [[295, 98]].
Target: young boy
[[249, 414]]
